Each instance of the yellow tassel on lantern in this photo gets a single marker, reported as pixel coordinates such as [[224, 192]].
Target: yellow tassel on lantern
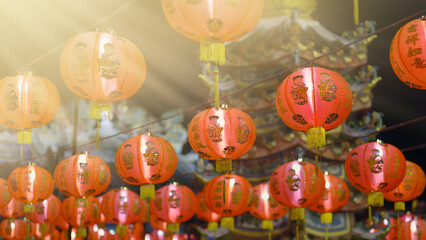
[[44, 228], [212, 226], [356, 12], [29, 208], [27, 233], [297, 214], [81, 202], [212, 50], [315, 137], [224, 165], [147, 191], [121, 230], [97, 107], [81, 232], [326, 217], [399, 206], [65, 233], [23, 136], [173, 227], [267, 224], [227, 222], [376, 199]]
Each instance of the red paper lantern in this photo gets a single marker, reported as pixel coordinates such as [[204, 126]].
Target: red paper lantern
[[408, 53], [314, 100], [411, 187], [46, 212], [228, 195], [102, 67], [12, 229], [265, 207], [335, 197], [156, 223], [28, 101], [213, 22], [82, 175], [222, 134], [375, 168], [174, 204], [298, 185], [5, 194], [30, 184], [146, 160], [81, 213], [61, 223], [412, 227], [205, 214], [122, 207], [13, 209]]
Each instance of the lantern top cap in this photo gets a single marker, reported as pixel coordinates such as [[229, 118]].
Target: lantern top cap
[[83, 152], [379, 141], [300, 159], [424, 17], [123, 188]]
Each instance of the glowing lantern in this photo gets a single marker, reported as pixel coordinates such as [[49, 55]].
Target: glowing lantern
[[82, 175], [314, 100], [5, 195], [335, 197], [28, 101], [13, 209], [228, 195], [46, 212], [122, 207], [213, 22], [205, 214], [12, 229], [408, 53], [375, 168], [412, 227], [222, 134], [265, 207], [296, 184], [102, 67], [30, 184], [174, 204], [81, 213], [146, 160]]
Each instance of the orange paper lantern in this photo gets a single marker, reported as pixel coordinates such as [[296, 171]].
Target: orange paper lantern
[[81, 213], [122, 207], [213, 22], [205, 214], [102, 67], [13, 209], [156, 223], [228, 195], [412, 227], [222, 134], [298, 185], [265, 207], [28, 101], [12, 229], [174, 204], [82, 175], [408, 53], [314, 100], [4, 193], [411, 187], [46, 212], [146, 160], [375, 168], [30, 184]]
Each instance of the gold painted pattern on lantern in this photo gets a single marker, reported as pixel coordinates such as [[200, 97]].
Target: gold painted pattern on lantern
[[109, 63], [158, 202], [299, 90], [293, 180], [80, 64], [127, 157], [37, 98], [122, 206], [214, 25], [137, 207], [103, 174], [236, 194], [242, 131], [274, 184], [272, 202], [327, 88], [174, 200], [395, 170], [314, 177], [151, 154], [299, 119], [375, 163], [354, 165], [171, 161], [10, 98], [214, 129], [43, 183], [83, 174], [331, 118], [412, 39], [218, 191], [281, 108]]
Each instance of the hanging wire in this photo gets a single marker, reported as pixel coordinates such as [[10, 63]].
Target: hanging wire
[[209, 103]]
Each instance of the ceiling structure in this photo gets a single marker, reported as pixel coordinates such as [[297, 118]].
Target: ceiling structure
[[34, 33]]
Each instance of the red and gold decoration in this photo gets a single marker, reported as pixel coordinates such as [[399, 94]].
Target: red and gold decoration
[[146, 160], [81, 213], [102, 67], [82, 175], [335, 197], [4, 193], [408, 53], [122, 207], [12, 229], [222, 134], [213, 22], [13, 209], [28, 101], [30, 184], [46, 213], [205, 214], [375, 168], [228, 195], [265, 207], [412, 227], [174, 203], [314, 100]]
